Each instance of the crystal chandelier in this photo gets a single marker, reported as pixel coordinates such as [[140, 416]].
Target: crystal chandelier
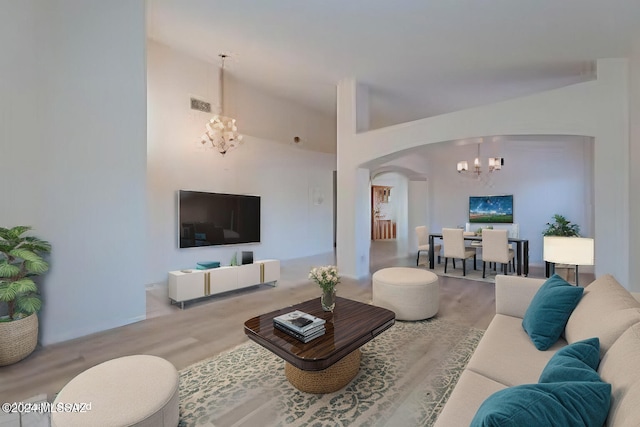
[[495, 164], [222, 132]]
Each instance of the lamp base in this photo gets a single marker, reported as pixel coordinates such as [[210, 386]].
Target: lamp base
[[563, 270]]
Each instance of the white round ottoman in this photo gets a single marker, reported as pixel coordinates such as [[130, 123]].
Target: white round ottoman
[[412, 293], [138, 390]]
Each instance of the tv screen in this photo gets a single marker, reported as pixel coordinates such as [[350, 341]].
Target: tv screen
[[208, 219], [486, 209]]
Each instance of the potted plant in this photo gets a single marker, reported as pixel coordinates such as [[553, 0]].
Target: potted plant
[[20, 261], [561, 227]]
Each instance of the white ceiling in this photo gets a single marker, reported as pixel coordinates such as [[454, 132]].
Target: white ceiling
[[419, 57]]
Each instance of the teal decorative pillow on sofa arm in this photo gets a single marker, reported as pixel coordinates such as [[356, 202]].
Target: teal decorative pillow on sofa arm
[[549, 310], [566, 404]]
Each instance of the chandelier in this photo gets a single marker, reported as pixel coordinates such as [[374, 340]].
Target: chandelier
[[222, 132], [495, 164]]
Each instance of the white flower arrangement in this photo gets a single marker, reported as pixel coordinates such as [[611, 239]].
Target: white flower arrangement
[[326, 276]]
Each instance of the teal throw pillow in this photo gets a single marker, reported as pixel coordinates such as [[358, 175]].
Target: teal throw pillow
[[567, 404], [575, 362], [550, 308]]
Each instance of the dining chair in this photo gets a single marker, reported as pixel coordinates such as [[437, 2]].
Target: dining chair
[[473, 245], [423, 243], [495, 248], [453, 242]]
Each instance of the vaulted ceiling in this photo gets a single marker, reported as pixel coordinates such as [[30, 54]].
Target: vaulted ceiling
[[419, 58]]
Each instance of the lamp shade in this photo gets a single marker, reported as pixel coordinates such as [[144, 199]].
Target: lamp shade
[[569, 250]]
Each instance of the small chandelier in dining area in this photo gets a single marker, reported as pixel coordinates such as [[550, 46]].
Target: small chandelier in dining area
[[222, 132], [494, 164]]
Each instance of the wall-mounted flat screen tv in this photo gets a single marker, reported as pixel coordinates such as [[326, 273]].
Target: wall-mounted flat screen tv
[[487, 209], [209, 219]]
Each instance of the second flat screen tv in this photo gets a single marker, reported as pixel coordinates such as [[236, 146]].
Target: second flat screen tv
[[488, 209], [209, 219]]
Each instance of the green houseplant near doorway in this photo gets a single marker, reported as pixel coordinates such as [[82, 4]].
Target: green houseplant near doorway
[[20, 261]]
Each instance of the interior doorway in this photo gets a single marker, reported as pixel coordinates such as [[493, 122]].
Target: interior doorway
[[383, 224]]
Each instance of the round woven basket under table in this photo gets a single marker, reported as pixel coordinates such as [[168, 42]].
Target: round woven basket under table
[[328, 380], [18, 339]]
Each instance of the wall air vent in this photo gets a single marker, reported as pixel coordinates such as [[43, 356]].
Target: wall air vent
[[199, 105]]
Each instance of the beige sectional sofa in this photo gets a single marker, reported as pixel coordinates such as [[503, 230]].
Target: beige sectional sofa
[[506, 356]]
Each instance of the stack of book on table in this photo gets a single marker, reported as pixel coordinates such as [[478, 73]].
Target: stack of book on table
[[300, 325]]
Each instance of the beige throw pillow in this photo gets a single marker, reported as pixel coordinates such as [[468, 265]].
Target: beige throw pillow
[[620, 367], [605, 311]]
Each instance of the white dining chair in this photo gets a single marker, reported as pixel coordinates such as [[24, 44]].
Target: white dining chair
[[423, 243], [453, 242], [495, 248]]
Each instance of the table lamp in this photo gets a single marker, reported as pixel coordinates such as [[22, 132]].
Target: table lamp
[[569, 250]]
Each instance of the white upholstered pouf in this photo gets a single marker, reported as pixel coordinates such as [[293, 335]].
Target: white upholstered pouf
[[138, 390], [412, 293]]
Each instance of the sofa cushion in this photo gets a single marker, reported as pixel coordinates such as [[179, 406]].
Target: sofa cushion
[[575, 362], [620, 366], [471, 390], [547, 315], [507, 355], [605, 310], [573, 403], [514, 294]]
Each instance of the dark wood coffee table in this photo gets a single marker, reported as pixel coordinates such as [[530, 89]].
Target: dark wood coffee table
[[330, 362]]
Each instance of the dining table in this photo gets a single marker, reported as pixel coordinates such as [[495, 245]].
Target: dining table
[[521, 254]]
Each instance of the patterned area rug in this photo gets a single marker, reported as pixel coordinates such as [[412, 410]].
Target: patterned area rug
[[406, 374]]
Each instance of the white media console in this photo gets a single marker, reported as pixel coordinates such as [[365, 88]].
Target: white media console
[[185, 285]]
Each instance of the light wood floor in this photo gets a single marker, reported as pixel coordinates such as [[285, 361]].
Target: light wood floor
[[208, 327]]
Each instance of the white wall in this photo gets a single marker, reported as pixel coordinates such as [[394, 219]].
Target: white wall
[[20, 89], [418, 195], [286, 177], [634, 160], [273, 118], [545, 176], [73, 148]]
